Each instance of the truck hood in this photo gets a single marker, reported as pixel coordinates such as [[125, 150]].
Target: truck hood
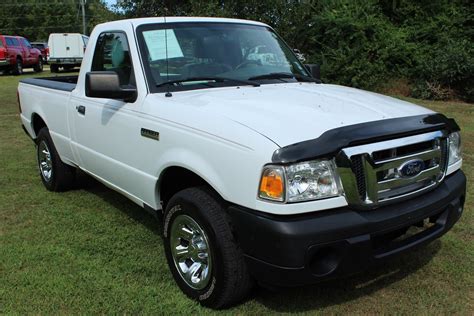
[[295, 112]]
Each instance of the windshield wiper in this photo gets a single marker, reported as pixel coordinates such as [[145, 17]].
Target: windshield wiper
[[285, 75], [216, 79]]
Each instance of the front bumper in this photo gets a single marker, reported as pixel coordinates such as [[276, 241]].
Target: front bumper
[[4, 63], [305, 249], [65, 61]]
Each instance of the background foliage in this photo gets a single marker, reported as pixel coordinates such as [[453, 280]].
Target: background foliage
[[36, 19], [420, 48], [424, 46]]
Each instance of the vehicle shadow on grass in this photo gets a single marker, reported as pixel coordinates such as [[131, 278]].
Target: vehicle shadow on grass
[[118, 201], [343, 290], [298, 299]]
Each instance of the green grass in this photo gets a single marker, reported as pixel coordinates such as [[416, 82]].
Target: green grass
[[90, 250]]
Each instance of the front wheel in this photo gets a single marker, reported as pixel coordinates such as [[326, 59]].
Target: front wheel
[[39, 66], [204, 258], [55, 174]]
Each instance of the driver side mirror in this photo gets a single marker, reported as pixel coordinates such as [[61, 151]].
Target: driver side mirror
[[106, 85], [315, 70]]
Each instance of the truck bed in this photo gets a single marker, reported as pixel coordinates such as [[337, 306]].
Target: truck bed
[[63, 83]]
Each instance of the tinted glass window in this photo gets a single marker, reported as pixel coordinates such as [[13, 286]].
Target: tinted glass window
[[9, 41], [237, 51], [25, 42], [15, 42], [113, 54]]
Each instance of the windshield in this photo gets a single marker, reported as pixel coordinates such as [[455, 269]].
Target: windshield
[[179, 51]]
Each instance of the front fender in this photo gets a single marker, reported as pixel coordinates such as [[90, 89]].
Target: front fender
[[192, 161]]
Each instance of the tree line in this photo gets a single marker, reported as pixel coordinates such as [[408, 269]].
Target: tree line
[[36, 19], [422, 48]]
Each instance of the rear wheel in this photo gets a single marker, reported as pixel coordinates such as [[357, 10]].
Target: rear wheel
[[18, 67], [54, 68], [67, 68], [204, 258], [39, 66], [55, 175]]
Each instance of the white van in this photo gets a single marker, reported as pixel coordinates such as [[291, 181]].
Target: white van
[[66, 50]]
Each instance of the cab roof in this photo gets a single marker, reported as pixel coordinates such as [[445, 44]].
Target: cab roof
[[141, 21]]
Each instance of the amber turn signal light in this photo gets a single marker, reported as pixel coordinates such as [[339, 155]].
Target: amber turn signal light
[[272, 184]]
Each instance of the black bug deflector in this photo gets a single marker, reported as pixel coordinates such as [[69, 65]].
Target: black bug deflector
[[332, 141]]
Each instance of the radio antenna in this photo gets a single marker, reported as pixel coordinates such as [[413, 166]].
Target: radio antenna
[[168, 93]]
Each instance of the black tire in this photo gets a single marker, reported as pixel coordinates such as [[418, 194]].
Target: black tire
[[18, 68], [61, 176], [229, 280], [39, 66], [54, 68]]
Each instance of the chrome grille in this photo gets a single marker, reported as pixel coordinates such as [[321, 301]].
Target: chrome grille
[[374, 174], [358, 169]]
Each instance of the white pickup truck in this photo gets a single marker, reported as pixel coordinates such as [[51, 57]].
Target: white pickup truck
[[258, 170]]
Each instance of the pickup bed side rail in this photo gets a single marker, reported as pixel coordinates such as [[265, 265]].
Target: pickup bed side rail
[[67, 83]]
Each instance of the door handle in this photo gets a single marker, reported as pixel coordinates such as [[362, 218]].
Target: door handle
[[81, 109]]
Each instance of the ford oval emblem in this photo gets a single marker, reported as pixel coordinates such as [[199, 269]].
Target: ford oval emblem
[[411, 168]]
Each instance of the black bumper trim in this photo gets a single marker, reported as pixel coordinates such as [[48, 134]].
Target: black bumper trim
[[308, 248]]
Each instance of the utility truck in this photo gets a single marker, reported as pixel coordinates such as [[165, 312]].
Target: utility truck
[[66, 50], [260, 173]]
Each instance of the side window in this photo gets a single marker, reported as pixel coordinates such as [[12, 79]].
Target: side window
[[15, 42], [9, 41], [26, 43], [113, 54]]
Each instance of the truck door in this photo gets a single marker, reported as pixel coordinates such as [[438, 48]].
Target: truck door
[[26, 48], [105, 131], [58, 46], [71, 44], [18, 49]]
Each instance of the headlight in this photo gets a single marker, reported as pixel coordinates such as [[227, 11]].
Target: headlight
[[455, 148], [304, 181]]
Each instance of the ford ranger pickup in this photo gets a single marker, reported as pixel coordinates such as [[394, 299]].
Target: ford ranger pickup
[[259, 172]]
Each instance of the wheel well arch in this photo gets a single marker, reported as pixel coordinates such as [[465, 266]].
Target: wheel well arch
[[174, 179], [37, 123], [19, 57]]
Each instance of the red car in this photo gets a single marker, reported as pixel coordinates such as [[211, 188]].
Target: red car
[[16, 53], [44, 49]]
